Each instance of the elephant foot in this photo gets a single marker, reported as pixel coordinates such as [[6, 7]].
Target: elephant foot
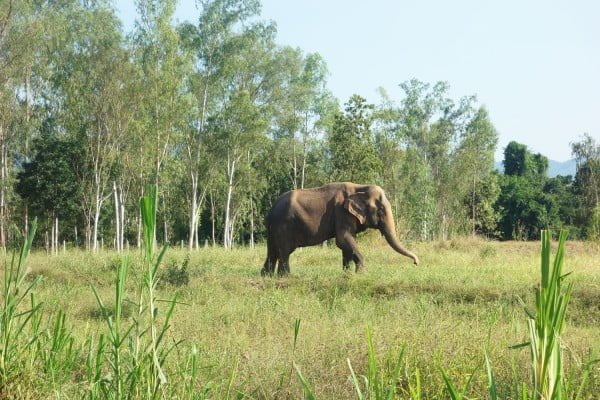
[[266, 272], [361, 269]]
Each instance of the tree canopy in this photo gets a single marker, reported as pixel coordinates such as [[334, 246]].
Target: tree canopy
[[224, 119]]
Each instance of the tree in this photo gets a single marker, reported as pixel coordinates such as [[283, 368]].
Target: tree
[[519, 161], [303, 107], [352, 151], [165, 100], [527, 202], [91, 75], [587, 183], [476, 160], [239, 126], [435, 140], [23, 25], [210, 41], [48, 183]]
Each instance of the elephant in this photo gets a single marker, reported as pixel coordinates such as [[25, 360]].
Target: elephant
[[307, 217]]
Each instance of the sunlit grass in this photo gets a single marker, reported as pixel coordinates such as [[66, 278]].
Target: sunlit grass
[[239, 328]]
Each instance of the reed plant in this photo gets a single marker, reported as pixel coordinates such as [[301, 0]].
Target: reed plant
[[15, 316], [546, 325], [379, 383], [136, 354]]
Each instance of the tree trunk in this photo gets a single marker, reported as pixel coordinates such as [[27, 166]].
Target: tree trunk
[[88, 234], [473, 206], [117, 218], [251, 225], [139, 230], [122, 202], [165, 224], [52, 235], [212, 218], [192, 221], [96, 222], [228, 231], [304, 151], [26, 221], [56, 236]]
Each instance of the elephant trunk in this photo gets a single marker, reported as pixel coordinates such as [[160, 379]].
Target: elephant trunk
[[388, 230]]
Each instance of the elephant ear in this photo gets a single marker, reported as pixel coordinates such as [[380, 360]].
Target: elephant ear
[[355, 206]]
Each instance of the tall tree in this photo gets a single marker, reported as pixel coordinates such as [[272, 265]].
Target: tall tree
[[475, 164], [91, 76], [352, 144], [434, 132], [22, 27], [211, 43], [526, 203], [165, 99], [587, 182], [48, 183]]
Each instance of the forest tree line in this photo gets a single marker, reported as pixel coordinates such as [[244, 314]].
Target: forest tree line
[[223, 119]]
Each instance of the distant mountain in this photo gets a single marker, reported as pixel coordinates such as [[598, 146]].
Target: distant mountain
[[554, 168], [562, 168]]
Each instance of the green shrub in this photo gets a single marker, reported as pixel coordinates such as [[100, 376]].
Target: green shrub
[[176, 275]]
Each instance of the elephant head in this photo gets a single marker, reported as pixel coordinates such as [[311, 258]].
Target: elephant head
[[373, 210]]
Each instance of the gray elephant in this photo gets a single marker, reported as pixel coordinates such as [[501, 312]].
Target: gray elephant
[[306, 217]]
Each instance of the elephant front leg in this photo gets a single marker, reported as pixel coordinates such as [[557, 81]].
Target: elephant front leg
[[346, 242], [346, 259]]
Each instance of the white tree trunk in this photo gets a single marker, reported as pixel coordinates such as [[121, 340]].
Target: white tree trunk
[[228, 231], [117, 218], [294, 164], [212, 218], [52, 236], [95, 229], [251, 224], [193, 213], [122, 217], [56, 236]]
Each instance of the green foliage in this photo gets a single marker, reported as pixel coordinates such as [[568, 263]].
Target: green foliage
[[352, 150], [529, 201], [15, 315], [519, 161], [177, 275], [224, 119], [48, 183], [379, 382], [587, 185], [546, 325], [237, 324]]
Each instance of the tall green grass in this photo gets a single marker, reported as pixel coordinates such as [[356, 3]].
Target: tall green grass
[[546, 325], [128, 360], [13, 318], [128, 349], [545, 328], [136, 354]]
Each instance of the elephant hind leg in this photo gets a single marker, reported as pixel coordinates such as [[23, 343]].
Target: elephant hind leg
[[269, 267], [283, 266]]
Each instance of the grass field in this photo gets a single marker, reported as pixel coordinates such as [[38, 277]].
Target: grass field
[[461, 300]]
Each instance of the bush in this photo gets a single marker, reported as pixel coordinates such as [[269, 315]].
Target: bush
[[175, 275]]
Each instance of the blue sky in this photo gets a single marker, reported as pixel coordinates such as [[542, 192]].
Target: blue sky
[[534, 64]]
